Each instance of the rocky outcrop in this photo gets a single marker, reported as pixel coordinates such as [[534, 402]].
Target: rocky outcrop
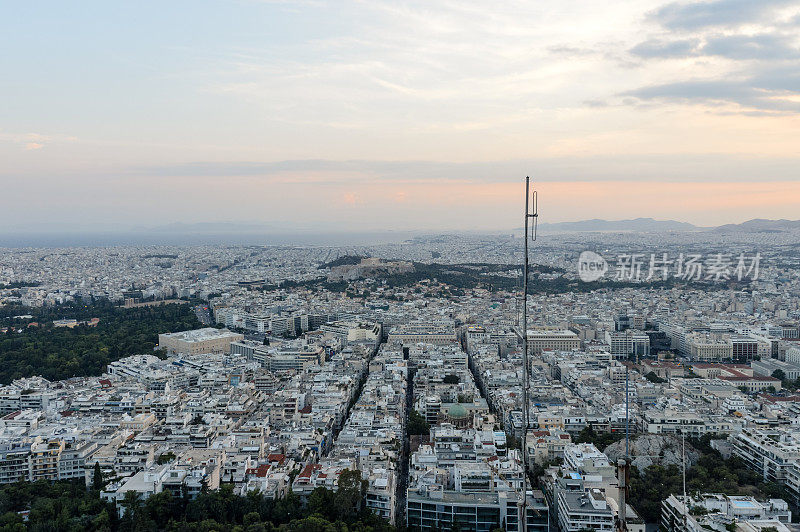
[[649, 449]]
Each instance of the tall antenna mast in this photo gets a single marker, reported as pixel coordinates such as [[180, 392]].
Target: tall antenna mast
[[627, 418], [529, 214], [683, 465], [623, 467]]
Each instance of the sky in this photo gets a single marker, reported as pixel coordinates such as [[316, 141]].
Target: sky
[[401, 115]]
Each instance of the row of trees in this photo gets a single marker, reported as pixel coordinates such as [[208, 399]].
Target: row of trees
[[652, 377], [17, 284], [69, 506], [61, 352], [786, 383], [601, 440]]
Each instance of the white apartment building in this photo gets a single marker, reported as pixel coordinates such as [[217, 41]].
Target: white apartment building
[[626, 343], [582, 510], [709, 347], [552, 340], [429, 333], [434, 508], [672, 421], [722, 512], [769, 452], [208, 340]]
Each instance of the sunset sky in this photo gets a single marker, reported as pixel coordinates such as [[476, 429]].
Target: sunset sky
[[403, 115]]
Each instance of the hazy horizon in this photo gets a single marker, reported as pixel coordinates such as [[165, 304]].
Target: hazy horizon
[[398, 116], [278, 227]]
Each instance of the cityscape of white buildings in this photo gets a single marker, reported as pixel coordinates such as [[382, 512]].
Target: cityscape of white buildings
[[291, 384]]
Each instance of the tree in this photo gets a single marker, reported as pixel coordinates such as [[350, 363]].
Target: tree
[[97, 478], [131, 502], [350, 493], [289, 508], [166, 458], [67, 505], [102, 521], [160, 506], [417, 425], [779, 374], [600, 440], [253, 522], [321, 501], [451, 379]]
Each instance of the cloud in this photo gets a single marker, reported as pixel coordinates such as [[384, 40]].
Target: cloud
[[662, 48], [30, 141], [330, 173], [744, 59], [743, 47], [595, 103], [716, 13], [712, 90], [352, 198], [34, 141], [785, 80], [774, 90], [24, 137], [763, 46]]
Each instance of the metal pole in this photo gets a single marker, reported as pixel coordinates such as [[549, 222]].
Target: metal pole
[[525, 407], [683, 473], [683, 465], [622, 483], [627, 423], [623, 467]]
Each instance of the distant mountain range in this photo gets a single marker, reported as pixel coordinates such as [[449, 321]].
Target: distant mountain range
[[636, 225], [639, 225], [221, 229], [213, 227], [649, 225], [760, 226]]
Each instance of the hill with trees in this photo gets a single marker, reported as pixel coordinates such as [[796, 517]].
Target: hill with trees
[[711, 473]]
